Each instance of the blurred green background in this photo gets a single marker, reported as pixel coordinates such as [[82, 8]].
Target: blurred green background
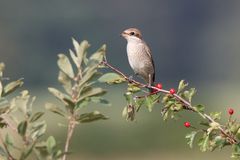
[[193, 40]]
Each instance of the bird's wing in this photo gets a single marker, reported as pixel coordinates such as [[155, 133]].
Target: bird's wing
[[150, 56]]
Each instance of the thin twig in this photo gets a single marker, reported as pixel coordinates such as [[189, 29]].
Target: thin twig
[[187, 104], [71, 127]]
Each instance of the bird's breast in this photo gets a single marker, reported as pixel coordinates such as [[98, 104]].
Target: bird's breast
[[136, 56]]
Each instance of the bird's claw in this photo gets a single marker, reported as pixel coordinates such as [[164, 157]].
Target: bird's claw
[[130, 78]]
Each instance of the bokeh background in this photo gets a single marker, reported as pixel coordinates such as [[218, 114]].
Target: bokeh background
[[198, 41]]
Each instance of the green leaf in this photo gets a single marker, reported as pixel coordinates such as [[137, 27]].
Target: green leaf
[[75, 59], [100, 100], [4, 105], [125, 111], [65, 81], [38, 129], [111, 78], [65, 65], [234, 128], [2, 66], [216, 115], [22, 128], [189, 94], [88, 75], [61, 96], [51, 143], [53, 108], [90, 117], [91, 92], [199, 108], [12, 86], [182, 85], [1, 88], [204, 143], [98, 56], [80, 49], [236, 151], [220, 142], [133, 88], [130, 112], [149, 103], [8, 140], [36, 116], [27, 152], [190, 138], [22, 102], [192, 91], [2, 152]]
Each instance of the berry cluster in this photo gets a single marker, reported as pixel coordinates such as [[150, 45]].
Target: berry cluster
[[230, 112]]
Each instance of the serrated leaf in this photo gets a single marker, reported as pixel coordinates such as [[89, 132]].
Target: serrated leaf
[[111, 78], [133, 88], [12, 86], [22, 128], [36, 116], [90, 117], [216, 115], [236, 151], [192, 91], [65, 81], [219, 142], [176, 107], [190, 138], [204, 143], [234, 128], [51, 143], [149, 103], [65, 65], [182, 85], [199, 108], [53, 108]]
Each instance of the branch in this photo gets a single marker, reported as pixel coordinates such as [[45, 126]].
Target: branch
[[187, 104], [71, 126]]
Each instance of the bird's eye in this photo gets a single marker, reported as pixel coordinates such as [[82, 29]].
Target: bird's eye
[[131, 33]]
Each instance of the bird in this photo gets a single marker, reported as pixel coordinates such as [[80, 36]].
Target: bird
[[139, 55]]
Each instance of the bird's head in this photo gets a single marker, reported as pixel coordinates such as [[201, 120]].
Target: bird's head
[[132, 34]]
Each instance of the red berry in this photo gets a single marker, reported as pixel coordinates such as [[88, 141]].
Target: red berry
[[172, 91], [159, 86], [187, 124], [230, 111]]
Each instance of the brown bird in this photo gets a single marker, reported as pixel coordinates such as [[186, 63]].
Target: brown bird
[[139, 55]]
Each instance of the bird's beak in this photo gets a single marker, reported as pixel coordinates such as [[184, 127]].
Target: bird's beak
[[123, 34]]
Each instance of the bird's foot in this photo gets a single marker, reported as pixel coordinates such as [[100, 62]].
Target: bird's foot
[[130, 78]]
